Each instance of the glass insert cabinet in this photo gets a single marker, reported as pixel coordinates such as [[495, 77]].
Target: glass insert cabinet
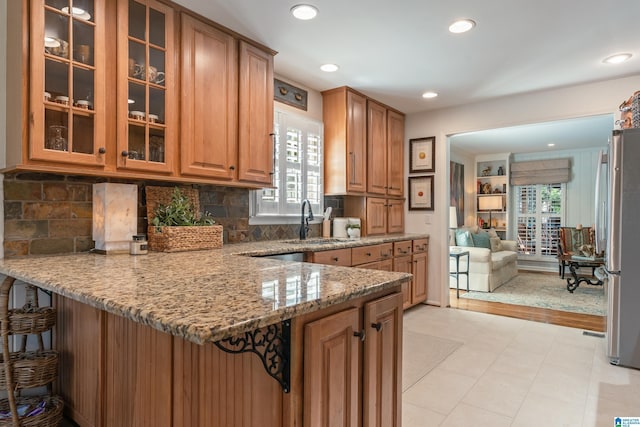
[[67, 84], [75, 98], [146, 94]]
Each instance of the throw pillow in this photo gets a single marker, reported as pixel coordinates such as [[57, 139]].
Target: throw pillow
[[463, 238], [481, 240], [492, 232], [496, 244]]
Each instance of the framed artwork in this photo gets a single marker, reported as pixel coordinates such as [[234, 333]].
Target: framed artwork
[[421, 193], [422, 154]]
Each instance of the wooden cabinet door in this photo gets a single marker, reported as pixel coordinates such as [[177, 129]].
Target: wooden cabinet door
[[395, 154], [395, 209], [404, 264], [67, 85], [147, 115], [255, 144], [376, 148], [356, 143], [331, 370], [209, 109], [376, 216], [382, 366], [420, 269]]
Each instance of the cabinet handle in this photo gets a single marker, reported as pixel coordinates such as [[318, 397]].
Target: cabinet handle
[[368, 254], [335, 258], [102, 150], [360, 335], [124, 153], [377, 326], [232, 167], [273, 165]]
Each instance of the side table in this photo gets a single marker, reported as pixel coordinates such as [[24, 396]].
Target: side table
[[457, 254]]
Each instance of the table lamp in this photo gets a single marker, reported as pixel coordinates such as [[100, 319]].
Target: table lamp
[[453, 217], [490, 203]]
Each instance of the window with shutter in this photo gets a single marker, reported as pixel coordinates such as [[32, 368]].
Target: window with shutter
[[539, 213], [298, 172]]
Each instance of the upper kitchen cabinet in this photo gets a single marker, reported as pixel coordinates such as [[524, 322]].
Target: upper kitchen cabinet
[[256, 144], [226, 106], [395, 154], [376, 148], [345, 142], [67, 82], [146, 92], [209, 101]]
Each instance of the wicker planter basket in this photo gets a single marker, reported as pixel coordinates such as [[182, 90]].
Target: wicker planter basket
[[176, 239], [50, 416], [183, 238], [29, 320], [30, 369]]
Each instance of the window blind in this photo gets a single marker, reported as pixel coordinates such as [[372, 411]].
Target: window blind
[[548, 171]]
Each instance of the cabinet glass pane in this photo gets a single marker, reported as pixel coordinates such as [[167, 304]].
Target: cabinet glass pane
[[56, 34], [137, 95], [156, 28], [83, 10], [56, 130], [56, 81], [137, 20], [83, 42], [156, 66], [156, 105], [156, 145], [136, 142], [83, 133], [83, 88], [137, 60]]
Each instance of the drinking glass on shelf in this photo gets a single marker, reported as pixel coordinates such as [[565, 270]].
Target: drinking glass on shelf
[[56, 139]]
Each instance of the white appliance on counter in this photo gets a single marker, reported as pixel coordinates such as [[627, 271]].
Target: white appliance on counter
[[618, 233]]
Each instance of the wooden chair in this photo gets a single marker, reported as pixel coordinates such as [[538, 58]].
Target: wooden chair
[[571, 240]]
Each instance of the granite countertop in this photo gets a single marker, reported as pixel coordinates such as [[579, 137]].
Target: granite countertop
[[205, 296]]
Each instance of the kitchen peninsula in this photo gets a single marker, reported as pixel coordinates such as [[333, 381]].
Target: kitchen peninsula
[[159, 339]]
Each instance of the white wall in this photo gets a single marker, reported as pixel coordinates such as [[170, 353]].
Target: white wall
[[3, 111], [576, 101]]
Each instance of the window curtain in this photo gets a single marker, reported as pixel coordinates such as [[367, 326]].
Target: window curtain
[[549, 171]]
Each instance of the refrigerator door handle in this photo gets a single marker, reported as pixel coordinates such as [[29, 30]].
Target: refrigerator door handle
[[599, 229], [615, 203], [613, 318]]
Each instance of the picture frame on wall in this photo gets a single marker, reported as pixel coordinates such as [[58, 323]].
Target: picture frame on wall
[[422, 154], [421, 193]]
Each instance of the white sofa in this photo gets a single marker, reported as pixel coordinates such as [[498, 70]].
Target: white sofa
[[488, 269]]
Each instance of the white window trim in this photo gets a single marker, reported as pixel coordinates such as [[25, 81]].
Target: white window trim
[[292, 218]]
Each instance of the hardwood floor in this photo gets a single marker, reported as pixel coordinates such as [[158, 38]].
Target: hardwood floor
[[555, 317]]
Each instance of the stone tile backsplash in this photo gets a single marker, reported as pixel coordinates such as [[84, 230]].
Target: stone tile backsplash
[[51, 214]]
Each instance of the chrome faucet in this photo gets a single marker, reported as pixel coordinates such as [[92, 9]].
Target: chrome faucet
[[304, 222]]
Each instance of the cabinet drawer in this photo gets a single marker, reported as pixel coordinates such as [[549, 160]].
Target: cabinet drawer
[[334, 257], [420, 245], [384, 265], [402, 248], [371, 253]]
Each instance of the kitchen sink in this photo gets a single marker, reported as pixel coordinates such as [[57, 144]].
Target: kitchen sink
[[318, 241]]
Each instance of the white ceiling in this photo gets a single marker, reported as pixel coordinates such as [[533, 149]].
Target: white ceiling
[[393, 51]]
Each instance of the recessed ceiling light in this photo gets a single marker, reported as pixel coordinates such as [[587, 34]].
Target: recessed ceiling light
[[429, 95], [304, 11], [329, 68], [618, 58], [551, 144], [462, 26]]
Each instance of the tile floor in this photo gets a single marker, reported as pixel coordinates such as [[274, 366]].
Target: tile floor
[[512, 372]]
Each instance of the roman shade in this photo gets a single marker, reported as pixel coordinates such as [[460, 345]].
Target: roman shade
[[548, 171]]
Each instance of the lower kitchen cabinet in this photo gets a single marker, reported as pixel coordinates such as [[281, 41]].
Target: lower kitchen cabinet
[[413, 259], [343, 388]]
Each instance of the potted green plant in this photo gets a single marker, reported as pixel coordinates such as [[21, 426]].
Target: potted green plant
[[353, 231], [175, 223]]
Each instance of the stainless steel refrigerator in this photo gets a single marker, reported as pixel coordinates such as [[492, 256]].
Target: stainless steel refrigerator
[[618, 233]]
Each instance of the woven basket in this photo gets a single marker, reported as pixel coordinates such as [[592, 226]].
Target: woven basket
[[30, 369], [28, 320], [51, 416], [183, 238], [176, 239]]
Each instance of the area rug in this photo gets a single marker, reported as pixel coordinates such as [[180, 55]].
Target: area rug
[[426, 352], [546, 291]]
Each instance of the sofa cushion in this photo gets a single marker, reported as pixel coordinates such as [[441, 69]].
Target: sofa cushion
[[502, 258], [481, 240], [463, 238], [496, 244]]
